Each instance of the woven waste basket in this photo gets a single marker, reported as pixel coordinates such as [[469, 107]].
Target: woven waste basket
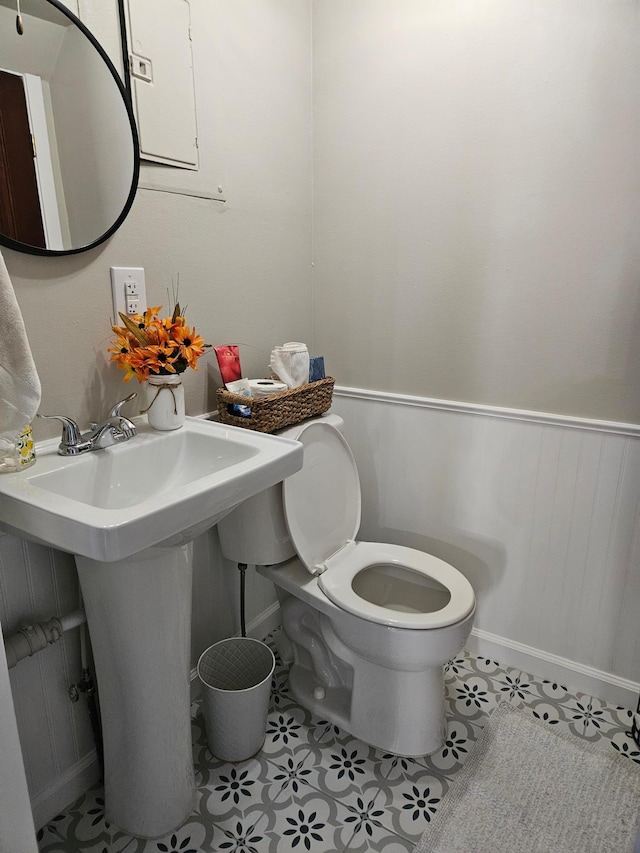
[[236, 678]]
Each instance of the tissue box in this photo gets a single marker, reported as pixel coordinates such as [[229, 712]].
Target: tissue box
[[277, 411]]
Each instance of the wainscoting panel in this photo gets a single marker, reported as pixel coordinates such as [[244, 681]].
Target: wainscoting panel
[[540, 513], [57, 742]]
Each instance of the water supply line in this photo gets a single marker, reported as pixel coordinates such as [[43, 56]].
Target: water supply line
[[242, 568], [87, 686]]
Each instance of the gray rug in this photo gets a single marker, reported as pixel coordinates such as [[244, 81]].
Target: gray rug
[[529, 789]]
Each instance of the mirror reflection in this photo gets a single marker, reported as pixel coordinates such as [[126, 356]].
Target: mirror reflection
[[68, 145]]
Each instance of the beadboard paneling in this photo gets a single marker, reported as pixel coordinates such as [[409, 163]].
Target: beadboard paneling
[[540, 515], [55, 734]]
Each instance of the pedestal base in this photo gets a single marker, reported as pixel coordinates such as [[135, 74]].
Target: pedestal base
[[139, 617]]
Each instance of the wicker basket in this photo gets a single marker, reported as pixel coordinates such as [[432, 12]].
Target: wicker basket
[[269, 414]]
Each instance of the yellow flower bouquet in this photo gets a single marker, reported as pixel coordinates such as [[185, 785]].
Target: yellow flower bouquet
[[147, 345]]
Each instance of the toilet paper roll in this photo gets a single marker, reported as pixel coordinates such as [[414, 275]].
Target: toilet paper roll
[[266, 387]]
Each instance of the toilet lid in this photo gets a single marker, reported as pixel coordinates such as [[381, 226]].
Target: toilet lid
[[322, 500]]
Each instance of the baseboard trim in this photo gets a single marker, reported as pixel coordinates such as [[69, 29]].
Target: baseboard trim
[[68, 786], [548, 418], [575, 676], [265, 622]]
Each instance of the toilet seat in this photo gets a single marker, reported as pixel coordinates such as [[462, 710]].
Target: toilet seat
[[322, 505], [341, 570]]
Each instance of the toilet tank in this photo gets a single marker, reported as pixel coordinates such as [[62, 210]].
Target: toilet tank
[[255, 532]]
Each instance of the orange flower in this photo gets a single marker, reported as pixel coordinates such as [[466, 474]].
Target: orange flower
[[161, 358], [121, 348], [150, 344], [191, 345]]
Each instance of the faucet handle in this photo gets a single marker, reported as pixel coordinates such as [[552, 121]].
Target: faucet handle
[[71, 435], [115, 412]]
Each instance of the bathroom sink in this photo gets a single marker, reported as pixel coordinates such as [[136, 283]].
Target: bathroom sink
[[129, 514], [158, 488]]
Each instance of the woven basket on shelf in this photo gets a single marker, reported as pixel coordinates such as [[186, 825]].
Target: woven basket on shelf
[[269, 414]]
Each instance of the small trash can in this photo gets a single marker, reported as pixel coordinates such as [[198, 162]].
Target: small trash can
[[236, 677]]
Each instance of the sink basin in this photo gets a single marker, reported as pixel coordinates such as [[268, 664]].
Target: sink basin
[[157, 488]]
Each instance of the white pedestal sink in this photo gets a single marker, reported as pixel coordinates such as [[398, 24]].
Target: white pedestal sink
[[129, 514]]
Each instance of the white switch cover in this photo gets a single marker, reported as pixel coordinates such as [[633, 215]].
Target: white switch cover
[[128, 291]]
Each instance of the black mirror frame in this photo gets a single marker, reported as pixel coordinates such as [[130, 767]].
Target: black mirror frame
[[126, 98]]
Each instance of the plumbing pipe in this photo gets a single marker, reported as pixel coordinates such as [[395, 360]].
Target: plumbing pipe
[[33, 638], [73, 620]]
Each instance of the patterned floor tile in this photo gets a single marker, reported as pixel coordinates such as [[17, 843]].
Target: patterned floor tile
[[514, 684], [369, 833], [83, 828], [53, 831], [242, 833], [555, 715], [471, 697], [460, 737], [486, 666], [461, 663], [324, 733], [410, 799], [587, 717], [316, 789], [313, 822], [194, 836], [345, 767], [288, 731], [232, 788], [290, 776], [626, 747], [280, 696], [620, 717], [385, 844]]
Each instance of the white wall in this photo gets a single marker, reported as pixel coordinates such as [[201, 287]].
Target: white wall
[[477, 200], [541, 515]]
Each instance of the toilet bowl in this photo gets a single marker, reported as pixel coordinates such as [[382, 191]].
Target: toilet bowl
[[369, 625]]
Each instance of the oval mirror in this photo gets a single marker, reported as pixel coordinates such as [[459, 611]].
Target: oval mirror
[[69, 159]]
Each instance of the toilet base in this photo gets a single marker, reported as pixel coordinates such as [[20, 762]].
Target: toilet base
[[398, 711]]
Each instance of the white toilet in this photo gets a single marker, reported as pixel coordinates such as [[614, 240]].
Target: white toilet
[[371, 625]]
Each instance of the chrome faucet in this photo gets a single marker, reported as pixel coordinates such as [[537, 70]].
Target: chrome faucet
[[114, 430]]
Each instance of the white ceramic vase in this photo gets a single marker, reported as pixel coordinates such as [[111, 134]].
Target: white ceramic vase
[[165, 402]]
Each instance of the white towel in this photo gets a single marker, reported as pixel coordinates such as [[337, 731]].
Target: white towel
[[290, 364], [19, 382]]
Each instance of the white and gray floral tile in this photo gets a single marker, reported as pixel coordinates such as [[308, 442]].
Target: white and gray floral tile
[[314, 788]]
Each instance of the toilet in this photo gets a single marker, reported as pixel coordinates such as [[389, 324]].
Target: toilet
[[368, 625]]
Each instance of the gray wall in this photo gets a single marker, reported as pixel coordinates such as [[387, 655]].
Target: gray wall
[[245, 274], [477, 200], [244, 267]]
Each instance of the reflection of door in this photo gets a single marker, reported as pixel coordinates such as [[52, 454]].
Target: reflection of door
[[20, 214]]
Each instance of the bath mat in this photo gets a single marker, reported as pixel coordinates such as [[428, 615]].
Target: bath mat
[[529, 789]]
